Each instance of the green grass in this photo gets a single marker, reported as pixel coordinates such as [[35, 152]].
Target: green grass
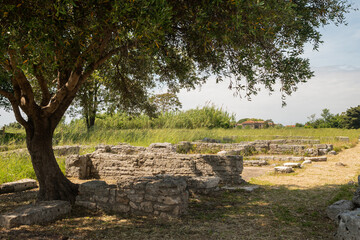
[[144, 137], [16, 166]]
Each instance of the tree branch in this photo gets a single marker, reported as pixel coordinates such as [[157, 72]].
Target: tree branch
[[17, 114], [7, 94], [43, 86], [27, 94]]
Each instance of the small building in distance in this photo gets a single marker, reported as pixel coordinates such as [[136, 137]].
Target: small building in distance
[[256, 124]]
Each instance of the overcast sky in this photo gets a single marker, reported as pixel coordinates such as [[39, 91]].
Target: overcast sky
[[336, 84]]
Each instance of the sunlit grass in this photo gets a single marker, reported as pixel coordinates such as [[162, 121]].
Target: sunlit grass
[[16, 166]]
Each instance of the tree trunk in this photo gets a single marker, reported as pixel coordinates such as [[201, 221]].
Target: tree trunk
[[52, 182]]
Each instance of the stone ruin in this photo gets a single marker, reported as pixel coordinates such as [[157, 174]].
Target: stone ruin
[[163, 196], [116, 162], [308, 147], [149, 181]]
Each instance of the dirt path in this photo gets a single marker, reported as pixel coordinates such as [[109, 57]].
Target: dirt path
[[320, 173]]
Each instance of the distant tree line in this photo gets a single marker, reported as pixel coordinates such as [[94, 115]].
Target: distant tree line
[[349, 119]]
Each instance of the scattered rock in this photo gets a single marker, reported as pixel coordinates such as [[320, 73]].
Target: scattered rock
[[332, 152], [306, 162], [339, 207], [283, 169], [340, 164], [349, 225], [294, 165], [38, 213]]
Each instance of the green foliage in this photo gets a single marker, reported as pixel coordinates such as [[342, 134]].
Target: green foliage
[[351, 118], [328, 120], [146, 42], [166, 102], [206, 117]]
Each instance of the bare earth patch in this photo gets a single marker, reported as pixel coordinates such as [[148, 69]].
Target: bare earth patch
[[287, 206]]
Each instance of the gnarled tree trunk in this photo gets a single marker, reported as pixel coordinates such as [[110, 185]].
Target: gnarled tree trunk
[[53, 184]]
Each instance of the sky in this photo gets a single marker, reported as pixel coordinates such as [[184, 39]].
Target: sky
[[336, 84]]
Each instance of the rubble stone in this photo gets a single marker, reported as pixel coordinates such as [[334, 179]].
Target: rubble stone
[[349, 225], [339, 207]]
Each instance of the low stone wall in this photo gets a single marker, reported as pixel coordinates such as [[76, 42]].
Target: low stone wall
[[114, 162], [308, 147], [163, 196]]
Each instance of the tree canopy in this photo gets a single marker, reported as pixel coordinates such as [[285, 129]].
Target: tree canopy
[[48, 49], [352, 118]]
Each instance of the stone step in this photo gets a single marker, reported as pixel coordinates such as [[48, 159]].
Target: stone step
[[283, 169], [17, 186], [38, 213]]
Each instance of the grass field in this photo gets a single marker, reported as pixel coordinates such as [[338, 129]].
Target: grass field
[[285, 207], [15, 166]]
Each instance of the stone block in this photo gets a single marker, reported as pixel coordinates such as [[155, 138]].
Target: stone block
[[293, 165], [169, 200], [229, 153], [255, 162], [342, 138], [202, 182], [249, 188], [349, 225], [283, 169], [38, 213], [121, 208], [77, 166], [17, 186], [339, 207], [317, 159]]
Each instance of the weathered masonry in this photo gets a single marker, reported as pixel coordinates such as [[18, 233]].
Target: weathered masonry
[[149, 181], [124, 161]]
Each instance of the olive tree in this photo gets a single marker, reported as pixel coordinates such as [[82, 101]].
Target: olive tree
[[48, 49]]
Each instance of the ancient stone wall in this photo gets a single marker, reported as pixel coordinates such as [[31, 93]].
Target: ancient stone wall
[[310, 147], [164, 196], [128, 161]]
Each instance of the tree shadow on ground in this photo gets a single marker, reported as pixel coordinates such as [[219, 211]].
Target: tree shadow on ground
[[271, 212]]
